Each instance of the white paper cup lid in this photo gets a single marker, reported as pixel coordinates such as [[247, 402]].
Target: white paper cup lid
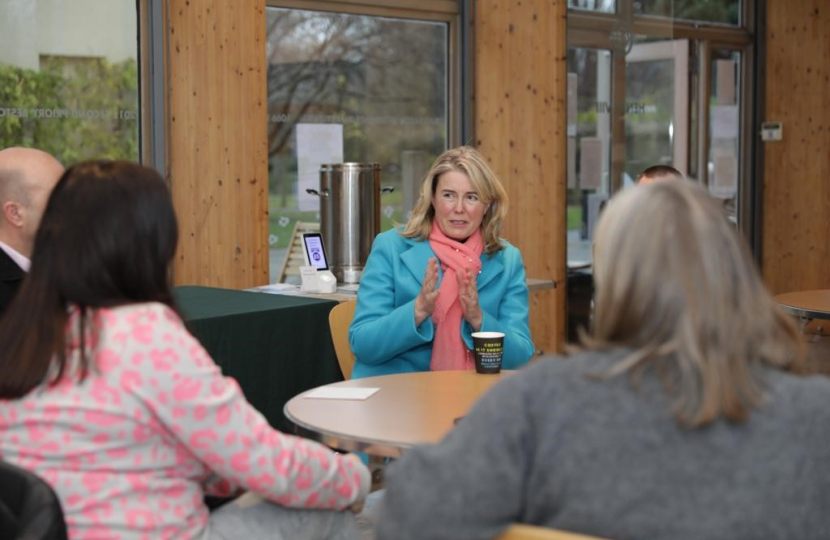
[[488, 334]]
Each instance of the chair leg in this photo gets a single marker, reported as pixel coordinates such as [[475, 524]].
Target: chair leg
[[377, 466]]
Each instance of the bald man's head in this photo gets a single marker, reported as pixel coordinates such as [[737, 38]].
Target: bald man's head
[[27, 177], [658, 172]]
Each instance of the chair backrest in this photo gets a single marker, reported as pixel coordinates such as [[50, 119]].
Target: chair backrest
[[295, 257], [519, 531], [28, 507], [340, 318]]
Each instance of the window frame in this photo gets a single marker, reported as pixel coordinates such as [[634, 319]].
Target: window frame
[[152, 77]]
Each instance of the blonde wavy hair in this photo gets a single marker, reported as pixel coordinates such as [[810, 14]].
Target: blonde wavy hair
[[676, 285], [486, 184]]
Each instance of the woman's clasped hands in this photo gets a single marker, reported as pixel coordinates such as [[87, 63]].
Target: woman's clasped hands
[[425, 301], [467, 295]]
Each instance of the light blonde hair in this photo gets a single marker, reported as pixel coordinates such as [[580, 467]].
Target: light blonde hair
[[486, 184], [675, 284]]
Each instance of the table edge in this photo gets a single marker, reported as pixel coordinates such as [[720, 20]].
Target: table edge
[[343, 441], [804, 313]]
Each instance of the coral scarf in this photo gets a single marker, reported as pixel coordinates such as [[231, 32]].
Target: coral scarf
[[448, 349]]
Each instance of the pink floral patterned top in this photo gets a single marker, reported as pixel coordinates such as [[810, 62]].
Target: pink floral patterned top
[[132, 450]]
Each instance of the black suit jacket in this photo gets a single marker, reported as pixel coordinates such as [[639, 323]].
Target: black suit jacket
[[10, 277]]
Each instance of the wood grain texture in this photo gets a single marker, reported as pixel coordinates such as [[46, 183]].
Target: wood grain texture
[[218, 165], [520, 127], [796, 225]]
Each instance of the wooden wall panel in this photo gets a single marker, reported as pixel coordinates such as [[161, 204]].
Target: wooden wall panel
[[218, 144], [796, 225], [520, 127]]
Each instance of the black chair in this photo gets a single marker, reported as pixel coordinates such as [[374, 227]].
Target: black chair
[[29, 509]]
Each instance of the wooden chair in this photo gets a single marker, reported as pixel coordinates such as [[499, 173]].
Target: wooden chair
[[520, 531], [294, 257], [340, 318]]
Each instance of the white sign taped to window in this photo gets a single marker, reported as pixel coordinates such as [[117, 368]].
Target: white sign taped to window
[[724, 180], [725, 81], [590, 163], [572, 85], [316, 144], [571, 163], [725, 122]]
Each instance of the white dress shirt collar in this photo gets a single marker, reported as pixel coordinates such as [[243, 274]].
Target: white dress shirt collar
[[21, 260]]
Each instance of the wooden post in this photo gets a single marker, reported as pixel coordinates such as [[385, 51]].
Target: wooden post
[[218, 166], [521, 128]]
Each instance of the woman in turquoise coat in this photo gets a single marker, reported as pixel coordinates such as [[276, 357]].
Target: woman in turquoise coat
[[428, 286]]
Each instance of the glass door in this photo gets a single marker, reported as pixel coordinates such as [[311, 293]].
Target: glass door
[[657, 107], [653, 82], [589, 145]]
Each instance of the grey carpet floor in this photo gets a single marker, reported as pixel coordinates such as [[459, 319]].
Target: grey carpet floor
[[366, 517]]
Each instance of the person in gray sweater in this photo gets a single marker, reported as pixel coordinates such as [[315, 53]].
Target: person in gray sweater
[[686, 414]]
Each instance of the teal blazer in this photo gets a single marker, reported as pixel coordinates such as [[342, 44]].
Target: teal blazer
[[383, 335]]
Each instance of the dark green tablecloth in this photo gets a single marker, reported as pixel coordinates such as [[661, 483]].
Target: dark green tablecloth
[[275, 346]]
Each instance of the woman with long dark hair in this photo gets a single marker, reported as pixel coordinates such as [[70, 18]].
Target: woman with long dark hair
[[106, 395]]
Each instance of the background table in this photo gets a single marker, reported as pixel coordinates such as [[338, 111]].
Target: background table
[[347, 292], [274, 346], [812, 308], [409, 409], [806, 304]]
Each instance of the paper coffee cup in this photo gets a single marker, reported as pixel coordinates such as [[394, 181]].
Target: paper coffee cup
[[489, 348]]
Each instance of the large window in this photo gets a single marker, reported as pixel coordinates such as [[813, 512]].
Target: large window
[[655, 82], [352, 87], [69, 77]]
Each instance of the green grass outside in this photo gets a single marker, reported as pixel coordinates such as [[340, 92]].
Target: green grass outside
[[574, 218], [281, 220]]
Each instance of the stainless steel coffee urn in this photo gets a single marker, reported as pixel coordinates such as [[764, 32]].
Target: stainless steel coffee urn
[[349, 214]]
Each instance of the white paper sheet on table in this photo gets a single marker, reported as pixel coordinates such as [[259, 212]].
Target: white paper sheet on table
[[341, 393], [277, 288]]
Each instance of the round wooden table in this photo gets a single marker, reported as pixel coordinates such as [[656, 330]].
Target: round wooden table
[[806, 304], [408, 409]]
